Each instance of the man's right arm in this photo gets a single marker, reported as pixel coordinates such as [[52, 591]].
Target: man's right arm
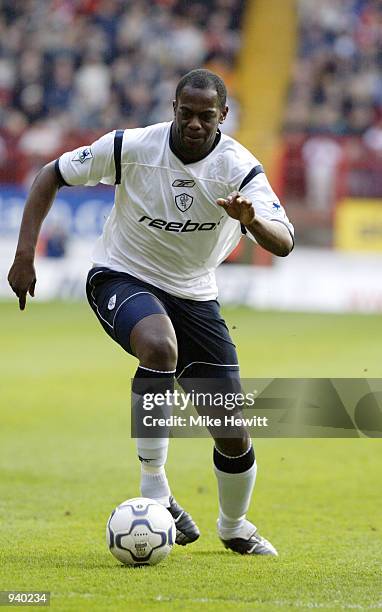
[[22, 275], [86, 165]]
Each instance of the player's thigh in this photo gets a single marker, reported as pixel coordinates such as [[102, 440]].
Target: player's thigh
[[122, 303]]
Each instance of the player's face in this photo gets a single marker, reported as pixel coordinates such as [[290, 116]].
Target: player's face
[[197, 117]]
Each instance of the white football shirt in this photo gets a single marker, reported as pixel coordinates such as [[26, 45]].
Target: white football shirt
[[165, 227]]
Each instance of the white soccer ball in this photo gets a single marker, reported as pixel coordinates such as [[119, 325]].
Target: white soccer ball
[[140, 531]]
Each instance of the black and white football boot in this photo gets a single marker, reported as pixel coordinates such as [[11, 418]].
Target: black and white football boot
[[186, 530], [249, 542]]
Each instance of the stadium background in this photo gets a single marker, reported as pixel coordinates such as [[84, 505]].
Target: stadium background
[[305, 87], [305, 96]]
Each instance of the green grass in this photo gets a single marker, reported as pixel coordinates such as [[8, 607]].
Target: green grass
[[66, 460]]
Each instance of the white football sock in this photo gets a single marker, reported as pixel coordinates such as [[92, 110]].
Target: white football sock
[[154, 484], [152, 453], [235, 492]]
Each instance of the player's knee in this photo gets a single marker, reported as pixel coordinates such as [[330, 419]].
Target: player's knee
[[159, 353], [233, 447]]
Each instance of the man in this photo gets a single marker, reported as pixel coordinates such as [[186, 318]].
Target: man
[[184, 195]]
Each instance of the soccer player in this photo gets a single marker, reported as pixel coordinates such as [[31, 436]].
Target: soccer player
[[185, 193]]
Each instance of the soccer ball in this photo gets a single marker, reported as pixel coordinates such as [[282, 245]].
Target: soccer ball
[[140, 531]]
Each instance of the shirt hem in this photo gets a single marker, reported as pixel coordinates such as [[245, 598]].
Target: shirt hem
[[156, 284]]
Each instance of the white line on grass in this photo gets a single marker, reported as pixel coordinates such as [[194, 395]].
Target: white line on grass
[[281, 603]]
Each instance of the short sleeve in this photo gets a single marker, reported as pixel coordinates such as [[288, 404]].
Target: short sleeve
[[89, 165], [265, 201]]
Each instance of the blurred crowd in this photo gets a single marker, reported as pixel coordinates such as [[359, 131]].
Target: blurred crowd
[[337, 79], [68, 67], [333, 122]]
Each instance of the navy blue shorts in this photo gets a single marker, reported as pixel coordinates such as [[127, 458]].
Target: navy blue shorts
[[205, 347]]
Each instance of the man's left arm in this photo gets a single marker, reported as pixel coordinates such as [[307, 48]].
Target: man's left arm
[[270, 234]]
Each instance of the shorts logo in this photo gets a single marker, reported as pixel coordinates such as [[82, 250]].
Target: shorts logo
[[183, 183], [83, 155], [112, 302], [183, 201], [276, 206]]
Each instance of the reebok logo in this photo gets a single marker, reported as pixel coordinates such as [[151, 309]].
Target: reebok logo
[[178, 226], [183, 183]]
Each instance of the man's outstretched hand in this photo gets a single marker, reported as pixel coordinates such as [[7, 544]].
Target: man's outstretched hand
[[238, 207], [22, 279]]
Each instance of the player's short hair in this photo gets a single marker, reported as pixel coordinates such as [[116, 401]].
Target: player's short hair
[[203, 79]]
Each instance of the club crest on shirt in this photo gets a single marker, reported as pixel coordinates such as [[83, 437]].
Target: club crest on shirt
[[83, 155], [183, 201]]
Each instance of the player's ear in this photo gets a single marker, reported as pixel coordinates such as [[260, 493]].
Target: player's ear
[[174, 105], [223, 114]]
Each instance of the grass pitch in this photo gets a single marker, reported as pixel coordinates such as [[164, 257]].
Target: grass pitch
[[66, 460]]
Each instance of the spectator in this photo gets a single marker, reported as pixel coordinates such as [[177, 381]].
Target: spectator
[[373, 137], [322, 156], [60, 89]]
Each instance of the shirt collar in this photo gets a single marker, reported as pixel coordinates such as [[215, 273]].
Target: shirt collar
[[171, 144]]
